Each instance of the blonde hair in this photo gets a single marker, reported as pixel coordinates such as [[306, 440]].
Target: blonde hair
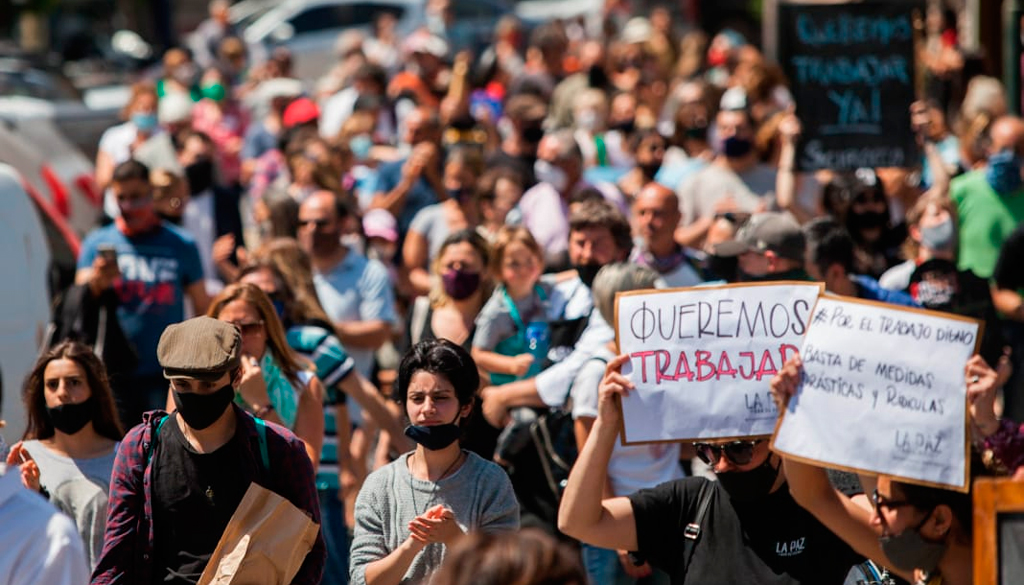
[[290, 362], [506, 236], [139, 89]]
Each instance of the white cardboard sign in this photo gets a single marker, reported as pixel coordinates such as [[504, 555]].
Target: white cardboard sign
[[883, 392], [702, 357]]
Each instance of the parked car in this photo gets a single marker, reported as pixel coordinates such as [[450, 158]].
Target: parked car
[[53, 168], [310, 28], [29, 92]]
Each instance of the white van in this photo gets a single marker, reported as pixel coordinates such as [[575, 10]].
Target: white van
[[25, 306]]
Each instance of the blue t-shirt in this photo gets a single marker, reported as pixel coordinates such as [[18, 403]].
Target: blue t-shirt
[[156, 267], [421, 194]]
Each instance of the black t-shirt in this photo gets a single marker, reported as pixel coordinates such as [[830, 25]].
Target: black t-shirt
[[770, 542], [194, 496], [1009, 272]]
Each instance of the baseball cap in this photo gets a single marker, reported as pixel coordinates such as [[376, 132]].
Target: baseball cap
[[378, 223], [777, 232], [301, 111], [203, 348]]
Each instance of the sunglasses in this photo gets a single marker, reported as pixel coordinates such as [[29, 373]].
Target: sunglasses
[[881, 501], [737, 452], [248, 327]]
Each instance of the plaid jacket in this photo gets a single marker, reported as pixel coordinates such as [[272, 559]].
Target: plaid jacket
[[127, 555]]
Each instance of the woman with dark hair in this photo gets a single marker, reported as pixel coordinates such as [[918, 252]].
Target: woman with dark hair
[[277, 384], [857, 200], [67, 452], [411, 510], [921, 533]]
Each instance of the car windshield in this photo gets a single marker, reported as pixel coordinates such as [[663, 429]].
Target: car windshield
[[24, 82]]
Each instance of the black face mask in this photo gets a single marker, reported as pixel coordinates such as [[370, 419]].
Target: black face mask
[[722, 267], [869, 220], [596, 77], [625, 126], [748, 486], [650, 169], [71, 418], [696, 132], [202, 410], [200, 176], [435, 437], [588, 272], [533, 134]]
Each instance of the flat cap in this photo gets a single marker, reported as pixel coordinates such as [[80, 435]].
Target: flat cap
[[202, 348]]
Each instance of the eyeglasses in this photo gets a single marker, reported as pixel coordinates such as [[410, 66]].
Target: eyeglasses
[[248, 327], [737, 452], [881, 501]]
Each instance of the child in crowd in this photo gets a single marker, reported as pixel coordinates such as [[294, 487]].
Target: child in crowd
[[511, 339]]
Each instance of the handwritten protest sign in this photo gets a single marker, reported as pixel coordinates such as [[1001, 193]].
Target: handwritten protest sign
[[883, 391], [851, 67], [701, 358]]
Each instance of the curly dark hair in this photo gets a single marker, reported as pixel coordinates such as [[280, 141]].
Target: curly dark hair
[[105, 420]]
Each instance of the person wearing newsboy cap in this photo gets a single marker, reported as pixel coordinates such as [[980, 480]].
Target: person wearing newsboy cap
[[178, 477]]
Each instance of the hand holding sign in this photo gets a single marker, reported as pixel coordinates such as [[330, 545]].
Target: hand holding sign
[[881, 390]]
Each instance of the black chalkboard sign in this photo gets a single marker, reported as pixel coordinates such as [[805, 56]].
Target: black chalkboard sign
[[851, 69]]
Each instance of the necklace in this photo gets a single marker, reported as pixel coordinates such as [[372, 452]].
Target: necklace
[[433, 492]]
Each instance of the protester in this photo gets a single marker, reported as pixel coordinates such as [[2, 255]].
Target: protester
[[514, 320], [630, 468], [38, 544], [117, 143], [769, 246], [276, 384], [409, 512], [148, 299], [72, 436], [354, 291], [162, 523], [749, 511], [656, 215], [922, 533], [432, 224], [310, 334]]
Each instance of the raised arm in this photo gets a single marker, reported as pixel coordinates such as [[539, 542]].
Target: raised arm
[[584, 514]]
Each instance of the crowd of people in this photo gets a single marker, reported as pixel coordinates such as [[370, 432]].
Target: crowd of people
[[388, 296]]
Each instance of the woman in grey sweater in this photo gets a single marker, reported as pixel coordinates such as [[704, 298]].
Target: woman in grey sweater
[[409, 511], [68, 449]]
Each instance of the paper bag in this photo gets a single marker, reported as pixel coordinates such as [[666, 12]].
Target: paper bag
[[265, 542]]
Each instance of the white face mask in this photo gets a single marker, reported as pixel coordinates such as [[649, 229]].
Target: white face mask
[[587, 120], [550, 174]]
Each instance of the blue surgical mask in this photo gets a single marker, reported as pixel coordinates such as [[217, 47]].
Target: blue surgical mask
[[144, 122], [1003, 172], [360, 146]]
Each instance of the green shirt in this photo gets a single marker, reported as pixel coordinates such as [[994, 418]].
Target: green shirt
[[986, 219]]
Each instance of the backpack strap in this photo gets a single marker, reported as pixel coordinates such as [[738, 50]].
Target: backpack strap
[[155, 438], [691, 534], [261, 433]]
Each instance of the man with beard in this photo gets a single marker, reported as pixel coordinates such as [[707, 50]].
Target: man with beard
[[151, 266], [355, 291], [743, 528]]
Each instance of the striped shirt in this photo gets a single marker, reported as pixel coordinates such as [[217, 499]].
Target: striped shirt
[[333, 364]]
